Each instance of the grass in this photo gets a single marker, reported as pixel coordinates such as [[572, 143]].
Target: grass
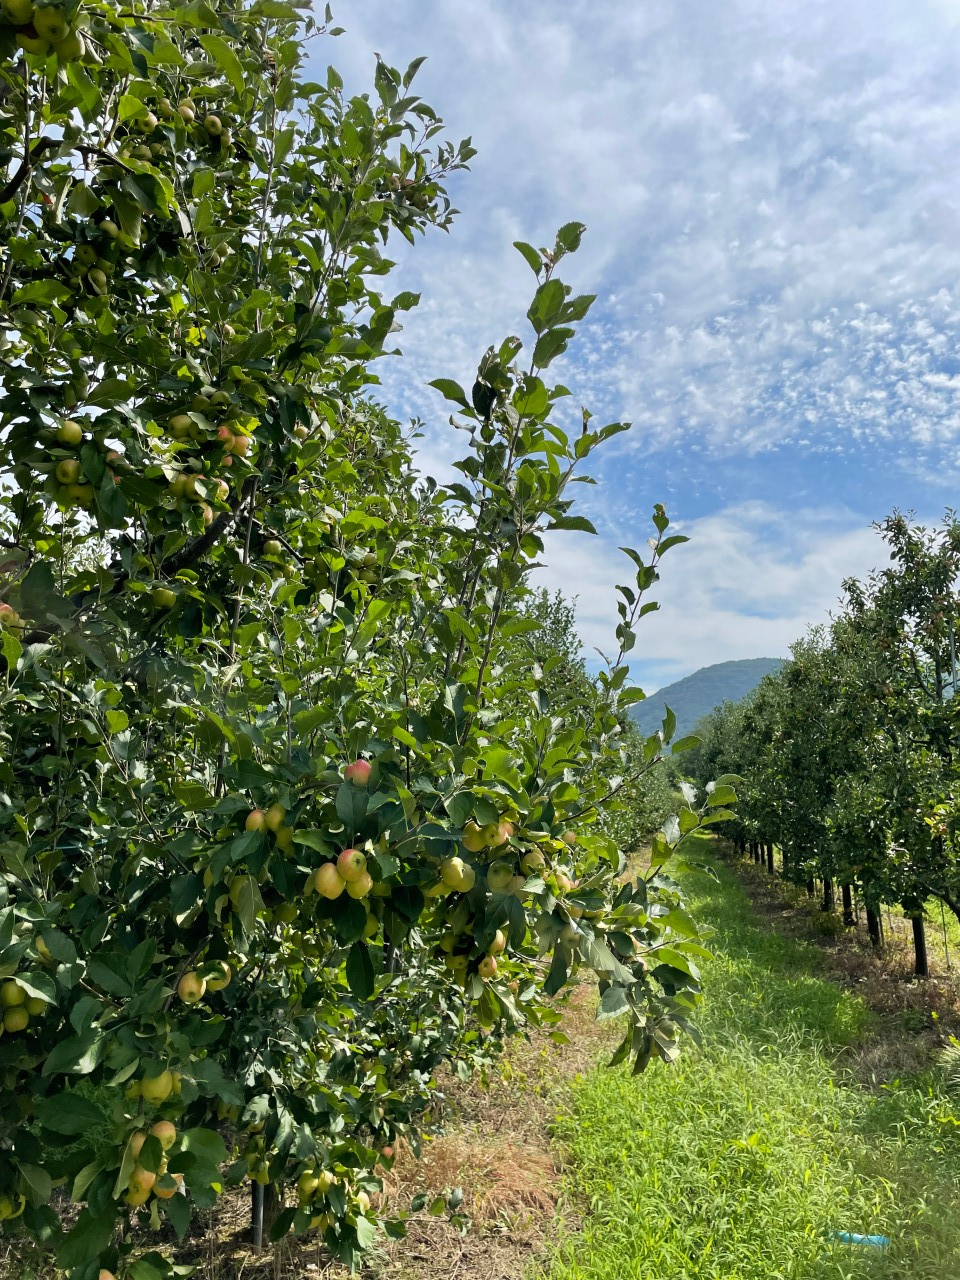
[[740, 1162]]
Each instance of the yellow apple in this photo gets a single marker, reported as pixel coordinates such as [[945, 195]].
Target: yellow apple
[[191, 987], [157, 1089]]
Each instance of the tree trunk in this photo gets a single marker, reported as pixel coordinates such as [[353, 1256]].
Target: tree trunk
[[848, 916], [921, 967], [811, 888], [829, 900], [770, 856], [875, 928]]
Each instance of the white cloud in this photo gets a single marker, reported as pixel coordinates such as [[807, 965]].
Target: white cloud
[[750, 581], [781, 177]]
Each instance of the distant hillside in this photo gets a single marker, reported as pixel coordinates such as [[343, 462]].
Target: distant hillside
[[694, 696]]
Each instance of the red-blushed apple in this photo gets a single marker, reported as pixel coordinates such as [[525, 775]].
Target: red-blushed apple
[[351, 864], [497, 943], [358, 772], [167, 1192], [569, 837], [328, 881], [532, 861], [360, 887], [256, 820], [487, 967]]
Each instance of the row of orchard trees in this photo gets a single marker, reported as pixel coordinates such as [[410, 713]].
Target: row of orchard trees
[[297, 803], [849, 755]]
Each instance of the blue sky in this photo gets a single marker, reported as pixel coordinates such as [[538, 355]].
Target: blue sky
[[771, 194]]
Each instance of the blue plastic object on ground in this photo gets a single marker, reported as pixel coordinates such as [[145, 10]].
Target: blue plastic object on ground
[[872, 1242]]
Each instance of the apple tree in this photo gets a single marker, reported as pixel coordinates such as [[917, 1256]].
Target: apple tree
[[287, 817]]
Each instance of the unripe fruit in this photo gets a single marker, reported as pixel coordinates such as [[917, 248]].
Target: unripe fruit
[[12, 994], [499, 877], [79, 495], [140, 1185], [213, 126], [147, 122], [221, 978], [156, 1089], [68, 471], [85, 254], [181, 424], [191, 987], [358, 772], [532, 861], [492, 835], [272, 547], [98, 280], [50, 24], [165, 1133], [360, 887], [275, 816], [473, 840], [110, 228], [136, 1144], [569, 837], [19, 13], [307, 1185], [372, 927], [328, 881], [284, 838], [186, 113], [457, 874], [164, 598], [256, 820], [352, 864], [363, 1201], [498, 943], [71, 48], [35, 1006], [70, 432], [16, 1019], [43, 951], [166, 108]]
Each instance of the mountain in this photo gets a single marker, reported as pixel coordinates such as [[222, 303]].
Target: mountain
[[695, 696]]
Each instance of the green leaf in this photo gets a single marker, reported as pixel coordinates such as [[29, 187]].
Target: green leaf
[[532, 258], [613, 1002], [87, 1239], [12, 649], [359, 970], [580, 523], [227, 61], [351, 806], [451, 390], [69, 1113]]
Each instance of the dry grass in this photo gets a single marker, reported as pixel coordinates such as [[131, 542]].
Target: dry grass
[[494, 1143]]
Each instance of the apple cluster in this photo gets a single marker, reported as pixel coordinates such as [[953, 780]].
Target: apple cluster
[[18, 1007], [43, 28], [144, 1182]]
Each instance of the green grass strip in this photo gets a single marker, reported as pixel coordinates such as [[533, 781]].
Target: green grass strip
[[739, 1162]]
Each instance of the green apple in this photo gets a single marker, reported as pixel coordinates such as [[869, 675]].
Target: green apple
[[499, 876], [68, 471], [19, 13], [71, 48], [50, 24], [70, 432], [164, 598]]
